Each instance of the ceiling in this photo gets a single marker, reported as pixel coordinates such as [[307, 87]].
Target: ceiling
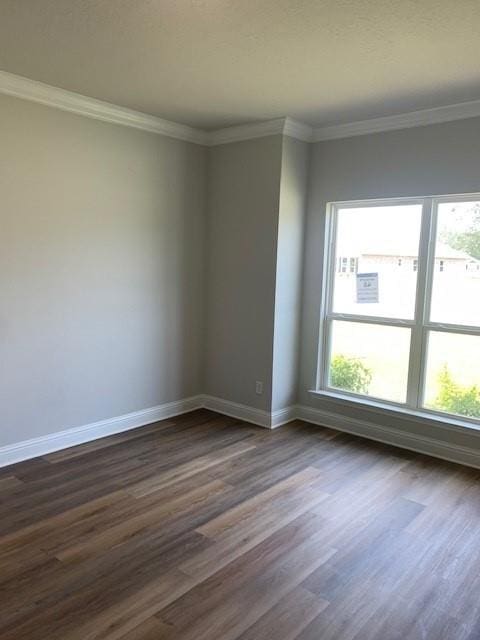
[[215, 63]]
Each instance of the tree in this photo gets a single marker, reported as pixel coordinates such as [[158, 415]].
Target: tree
[[349, 374], [452, 397], [468, 240]]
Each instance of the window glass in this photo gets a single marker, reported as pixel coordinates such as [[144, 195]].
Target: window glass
[[382, 298], [382, 240], [370, 359], [453, 373], [456, 279]]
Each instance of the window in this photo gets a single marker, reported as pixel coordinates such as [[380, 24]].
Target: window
[[414, 340], [346, 265]]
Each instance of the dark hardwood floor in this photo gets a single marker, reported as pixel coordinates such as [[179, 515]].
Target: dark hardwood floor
[[206, 528]]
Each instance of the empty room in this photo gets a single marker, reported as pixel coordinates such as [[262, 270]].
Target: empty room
[[239, 320]]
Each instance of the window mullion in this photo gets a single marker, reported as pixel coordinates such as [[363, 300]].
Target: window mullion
[[422, 303], [473, 330], [329, 268], [388, 322]]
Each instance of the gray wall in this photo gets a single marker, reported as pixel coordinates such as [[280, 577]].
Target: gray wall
[[437, 159], [137, 269], [243, 201], [101, 269], [289, 269]]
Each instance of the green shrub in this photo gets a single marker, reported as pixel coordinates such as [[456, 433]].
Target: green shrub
[[349, 374], [452, 397]]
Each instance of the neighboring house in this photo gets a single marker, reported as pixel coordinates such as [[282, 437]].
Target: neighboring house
[[405, 258]]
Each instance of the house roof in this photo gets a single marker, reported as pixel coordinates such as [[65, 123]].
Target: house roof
[[397, 245], [405, 249]]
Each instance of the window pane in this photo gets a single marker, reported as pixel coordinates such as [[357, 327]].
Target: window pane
[[453, 374], [456, 280], [370, 359], [382, 240]]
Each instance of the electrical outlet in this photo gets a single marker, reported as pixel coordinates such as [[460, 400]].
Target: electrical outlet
[[259, 387]]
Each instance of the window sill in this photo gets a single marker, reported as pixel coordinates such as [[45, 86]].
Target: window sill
[[385, 409]]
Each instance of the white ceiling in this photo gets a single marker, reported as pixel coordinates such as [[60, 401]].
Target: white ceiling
[[214, 63]]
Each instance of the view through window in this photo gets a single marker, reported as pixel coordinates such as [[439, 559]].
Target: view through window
[[402, 312]]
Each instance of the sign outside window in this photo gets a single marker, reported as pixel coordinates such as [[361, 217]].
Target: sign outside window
[[367, 287]]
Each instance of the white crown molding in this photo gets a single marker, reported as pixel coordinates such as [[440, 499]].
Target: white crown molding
[[34, 91], [298, 130], [460, 111], [20, 87], [246, 132], [10, 454], [280, 126]]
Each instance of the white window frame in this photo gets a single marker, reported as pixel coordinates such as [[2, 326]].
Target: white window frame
[[420, 326]]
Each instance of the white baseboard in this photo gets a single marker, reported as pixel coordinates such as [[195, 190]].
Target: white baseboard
[[420, 444], [42, 445], [241, 411], [250, 414], [282, 416]]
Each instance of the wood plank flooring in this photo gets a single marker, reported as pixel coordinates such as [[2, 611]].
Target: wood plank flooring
[[206, 528]]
